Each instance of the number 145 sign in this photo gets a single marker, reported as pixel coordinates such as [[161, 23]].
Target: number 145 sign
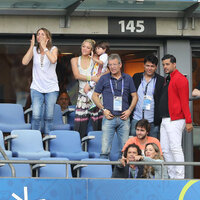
[[131, 26]]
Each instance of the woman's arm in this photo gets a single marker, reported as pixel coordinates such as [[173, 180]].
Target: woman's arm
[[77, 75], [156, 167], [29, 54], [52, 55]]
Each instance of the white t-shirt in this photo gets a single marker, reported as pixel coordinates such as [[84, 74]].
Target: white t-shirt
[[104, 59], [44, 73]]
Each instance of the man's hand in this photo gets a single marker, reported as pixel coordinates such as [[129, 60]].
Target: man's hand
[[43, 43], [189, 127], [123, 161], [108, 114], [125, 115]]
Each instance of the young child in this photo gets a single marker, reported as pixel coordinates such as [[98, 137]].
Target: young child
[[100, 67]]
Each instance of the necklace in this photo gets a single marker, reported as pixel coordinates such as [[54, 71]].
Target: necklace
[[41, 60]]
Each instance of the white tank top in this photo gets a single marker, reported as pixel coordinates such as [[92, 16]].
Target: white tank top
[[44, 73], [85, 72]]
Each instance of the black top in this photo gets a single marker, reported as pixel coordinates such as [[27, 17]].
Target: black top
[[137, 78], [163, 105], [198, 86], [123, 172]]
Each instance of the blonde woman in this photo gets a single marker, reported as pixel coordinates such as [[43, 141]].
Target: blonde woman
[[82, 67], [152, 154], [44, 86]]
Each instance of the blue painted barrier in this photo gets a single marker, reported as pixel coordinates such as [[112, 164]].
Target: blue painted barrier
[[98, 189]]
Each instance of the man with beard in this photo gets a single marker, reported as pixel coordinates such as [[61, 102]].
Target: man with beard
[[176, 116], [129, 171], [142, 128]]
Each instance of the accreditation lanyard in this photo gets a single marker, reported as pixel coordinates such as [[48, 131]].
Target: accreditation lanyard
[[117, 100], [146, 87], [147, 98], [135, 172]]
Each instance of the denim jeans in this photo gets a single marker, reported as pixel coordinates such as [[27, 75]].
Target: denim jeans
[[39, 100], [109, 127], [154, 131]]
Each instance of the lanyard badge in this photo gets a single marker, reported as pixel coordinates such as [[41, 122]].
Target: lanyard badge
[[148, 98], [147, 102], [117, 100], [117, 103]]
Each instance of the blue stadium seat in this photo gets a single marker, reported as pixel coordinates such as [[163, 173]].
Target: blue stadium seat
[[53, 170], [66, 144], [94, 171], [21, 170], [94, 142], [12, 117], [70, 115], [27, 144], [58, 123], [8, 153]]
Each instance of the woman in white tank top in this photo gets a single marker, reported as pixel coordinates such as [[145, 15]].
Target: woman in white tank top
[[82, 67], [44, 86]]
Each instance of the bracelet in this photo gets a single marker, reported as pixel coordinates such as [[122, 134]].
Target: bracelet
[[103, 109], [88, 78], [90, 85], [45, 50]]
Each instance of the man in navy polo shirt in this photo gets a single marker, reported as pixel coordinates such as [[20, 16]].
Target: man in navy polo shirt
[[116, 87]]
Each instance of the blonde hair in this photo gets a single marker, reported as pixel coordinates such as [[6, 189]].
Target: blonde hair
[[147, 168], [49, 37], [92, 43]]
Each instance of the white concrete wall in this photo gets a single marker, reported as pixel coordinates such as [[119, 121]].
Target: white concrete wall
[[30, 24], [169, 27]]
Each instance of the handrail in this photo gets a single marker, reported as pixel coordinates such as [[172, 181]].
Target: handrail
[[10, 164], [162, 164], [194, 98]]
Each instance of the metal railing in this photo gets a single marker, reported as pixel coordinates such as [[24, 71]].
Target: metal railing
[[10, 164], [32, 162]]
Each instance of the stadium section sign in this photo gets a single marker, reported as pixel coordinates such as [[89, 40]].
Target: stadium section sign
[[132, 26]]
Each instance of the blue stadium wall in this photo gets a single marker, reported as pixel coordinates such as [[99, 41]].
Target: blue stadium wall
[[98, 189]]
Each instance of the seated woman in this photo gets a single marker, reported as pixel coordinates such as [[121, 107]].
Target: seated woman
[[152, 154], [129, 171]]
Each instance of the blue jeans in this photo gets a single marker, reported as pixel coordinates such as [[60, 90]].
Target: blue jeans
[[154, 131], [48, 100], [109, 127]]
